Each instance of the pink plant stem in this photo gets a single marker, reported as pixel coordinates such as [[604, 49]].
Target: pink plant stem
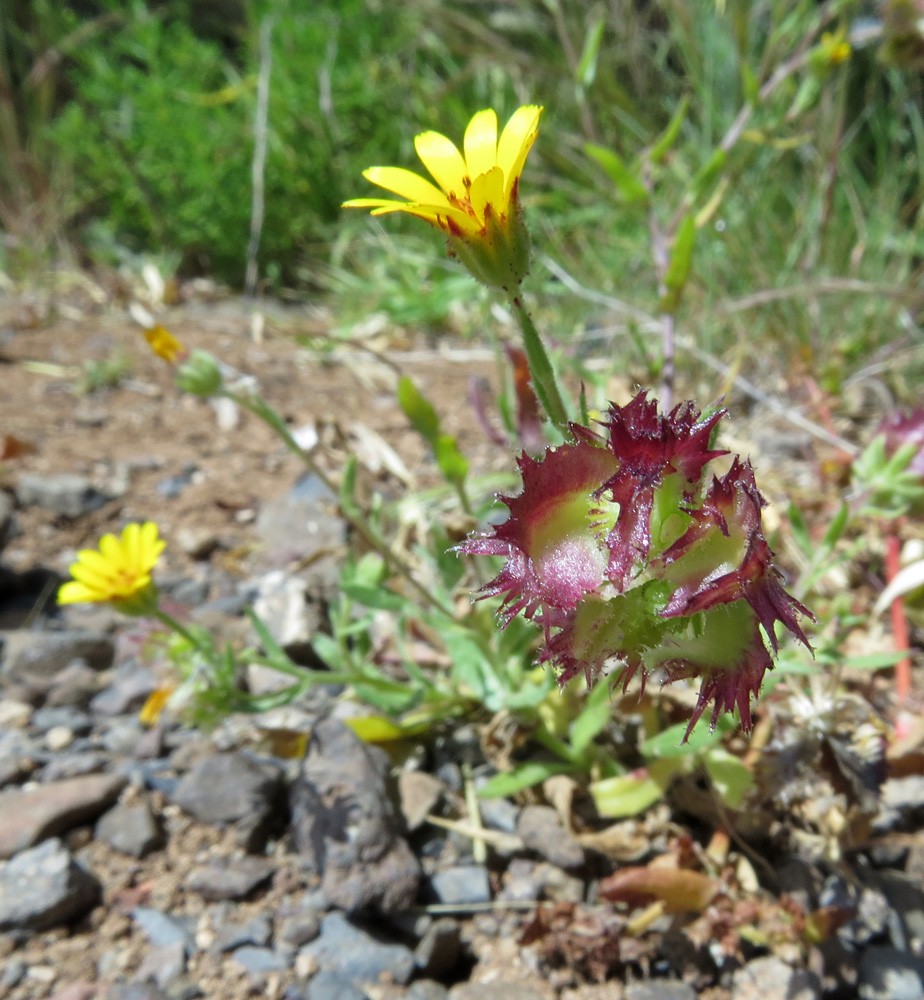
[[899, 622]]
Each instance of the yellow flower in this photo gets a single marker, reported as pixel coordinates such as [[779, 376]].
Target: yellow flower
[[164, 344], [476, 203], [118, 572], [834, 48]]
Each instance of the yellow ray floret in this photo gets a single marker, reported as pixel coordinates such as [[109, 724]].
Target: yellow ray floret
[[119, 569], [164, 344], [473, 185]]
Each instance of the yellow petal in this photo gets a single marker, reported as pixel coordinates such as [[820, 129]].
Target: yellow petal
[[406, 183], [110, 548], [488, 189], [515, 143], [76, 593], [93, 560], [91, 577], [440, 156], [480, 143], [130, 544], [431, 213]]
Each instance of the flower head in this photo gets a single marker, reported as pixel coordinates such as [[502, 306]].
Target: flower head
[[118, 572], [164, 344], [621, 551], [475, 200]]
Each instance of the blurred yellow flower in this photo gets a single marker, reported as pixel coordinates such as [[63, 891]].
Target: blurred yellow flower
[[476, 203], [118, 572], [834, 47], [164, 344]]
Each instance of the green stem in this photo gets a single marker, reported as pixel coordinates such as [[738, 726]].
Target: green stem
[[540, 369], [177, 627], [258, 406]]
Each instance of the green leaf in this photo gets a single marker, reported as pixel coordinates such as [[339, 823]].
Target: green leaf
[[678, 270], [668, 743], [586, 70], [348, 489], [522, 776], [594, 716], [749, 84], [629, 186], [732, 780], [799, 530], [709, 172], [452, 463], [836, 528], [875, 661], [371, 596], [631, 794], [328, 649], [668, 137], [421, 414]]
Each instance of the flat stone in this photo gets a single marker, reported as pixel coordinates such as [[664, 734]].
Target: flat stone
[[259, 960], [230, 878], [346, 950], [131, 829], [664, 990], [438, 950], [541, 830], [163, 964], [162, 929], [257, 933], [889, 974], [345, 823], [770, 978], [427, 989], [29, 655], [136, 991], [43, 887], [230, 787], [462, 885], [494, 990], [126, 694], [73, 765], [326, 985], [419, 794], [64, 494], [27, 817]]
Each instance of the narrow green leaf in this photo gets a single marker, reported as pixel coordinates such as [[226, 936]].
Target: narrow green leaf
[[678, 270], [522, 776], [348, 489], [423, 417], [836, 528], [631, 794], [594, 716], [875, 661], [586, 70], [799, 530], [629, 186], [668, 137], [709, 172], [669, 742], [732, 780], [373, 597], [451, 462]]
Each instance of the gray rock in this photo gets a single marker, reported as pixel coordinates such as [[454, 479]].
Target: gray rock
[[259, 960], [293, 610], [419, 793], [257, 932], [29, 655], [904, 911], [230, 787], [133, 830], [64, 494], [15, 768], [73, 765], [27, 817], [344, 949], [344, 822], [500, 814], [326, 985], [427, 989], [438, 950], [491, 991], [76, 685], [43, 887], [162, 929], [889, 974], [541, 831], [298, 929], [72, 718], [13, 974], [136, 991], [462, 885], [163, 964], [660, 990], [8, 525], [120, 736], [770, 978], [127, 694], [230, 878]]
